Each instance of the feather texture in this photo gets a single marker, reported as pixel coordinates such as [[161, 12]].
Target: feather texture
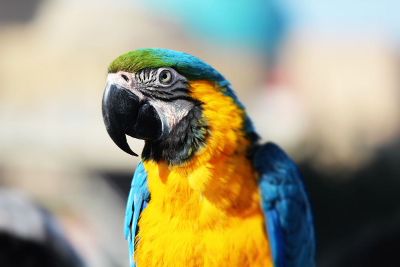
[[286, 208], [139, 197]]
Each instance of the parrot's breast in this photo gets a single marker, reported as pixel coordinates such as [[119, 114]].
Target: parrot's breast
[[167, 243], [186, 227]]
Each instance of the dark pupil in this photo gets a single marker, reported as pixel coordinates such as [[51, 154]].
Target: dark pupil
[[164, 76]]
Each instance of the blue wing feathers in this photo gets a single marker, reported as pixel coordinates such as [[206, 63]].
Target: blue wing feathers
[[277, 242], [139, 197], [286, 207]]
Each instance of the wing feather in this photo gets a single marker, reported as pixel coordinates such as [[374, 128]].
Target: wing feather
[[139, 197], [287, 210]]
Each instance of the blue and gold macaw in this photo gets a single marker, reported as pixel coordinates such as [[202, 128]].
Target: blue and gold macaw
[[206, 192]]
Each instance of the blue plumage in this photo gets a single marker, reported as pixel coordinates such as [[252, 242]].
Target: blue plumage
[[139, 197], [286, 207]]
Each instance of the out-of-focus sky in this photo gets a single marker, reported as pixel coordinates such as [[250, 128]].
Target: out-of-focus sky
[[318, 77], [354, 17]]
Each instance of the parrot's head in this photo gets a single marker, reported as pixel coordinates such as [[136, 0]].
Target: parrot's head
[[174, 101]]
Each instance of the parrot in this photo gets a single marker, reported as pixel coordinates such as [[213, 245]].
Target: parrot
[[206, 191]]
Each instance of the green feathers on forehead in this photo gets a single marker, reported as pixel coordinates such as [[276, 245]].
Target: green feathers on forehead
[[189, 66]]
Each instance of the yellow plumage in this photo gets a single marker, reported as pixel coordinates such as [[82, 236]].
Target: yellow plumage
[[207, 211]]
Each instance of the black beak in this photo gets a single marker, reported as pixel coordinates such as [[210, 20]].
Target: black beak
[[124, 113]]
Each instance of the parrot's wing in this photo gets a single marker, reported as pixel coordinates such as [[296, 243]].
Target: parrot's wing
[[139, 197], [287, 211]]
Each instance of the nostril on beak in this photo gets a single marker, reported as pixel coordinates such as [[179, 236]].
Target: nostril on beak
[[125, 77]]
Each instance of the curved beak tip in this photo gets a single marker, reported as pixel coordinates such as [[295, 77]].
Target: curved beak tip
[[121, 142], [130, 152], [119, 139]]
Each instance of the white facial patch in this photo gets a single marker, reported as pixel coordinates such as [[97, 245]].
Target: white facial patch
[[171, 112], [117, 78]]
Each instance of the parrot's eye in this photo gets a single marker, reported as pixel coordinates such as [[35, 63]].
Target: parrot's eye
[[165, 77]]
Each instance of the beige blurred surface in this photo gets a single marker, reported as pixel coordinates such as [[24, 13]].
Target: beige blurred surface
[[339, 101], [351, 91]]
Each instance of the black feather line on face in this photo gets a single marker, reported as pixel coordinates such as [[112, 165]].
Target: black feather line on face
[[166, 96], [149, 85], [184, 140]]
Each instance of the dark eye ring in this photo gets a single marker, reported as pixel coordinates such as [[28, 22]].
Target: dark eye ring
[[165, 77]]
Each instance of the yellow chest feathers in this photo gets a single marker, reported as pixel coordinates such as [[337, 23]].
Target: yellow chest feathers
[[238, 245], [183, 227]]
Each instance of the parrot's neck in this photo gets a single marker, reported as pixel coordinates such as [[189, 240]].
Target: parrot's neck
[[217, 186], [219, 179], [182, 143]]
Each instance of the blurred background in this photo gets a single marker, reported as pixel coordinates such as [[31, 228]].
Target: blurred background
[[321, 78]]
